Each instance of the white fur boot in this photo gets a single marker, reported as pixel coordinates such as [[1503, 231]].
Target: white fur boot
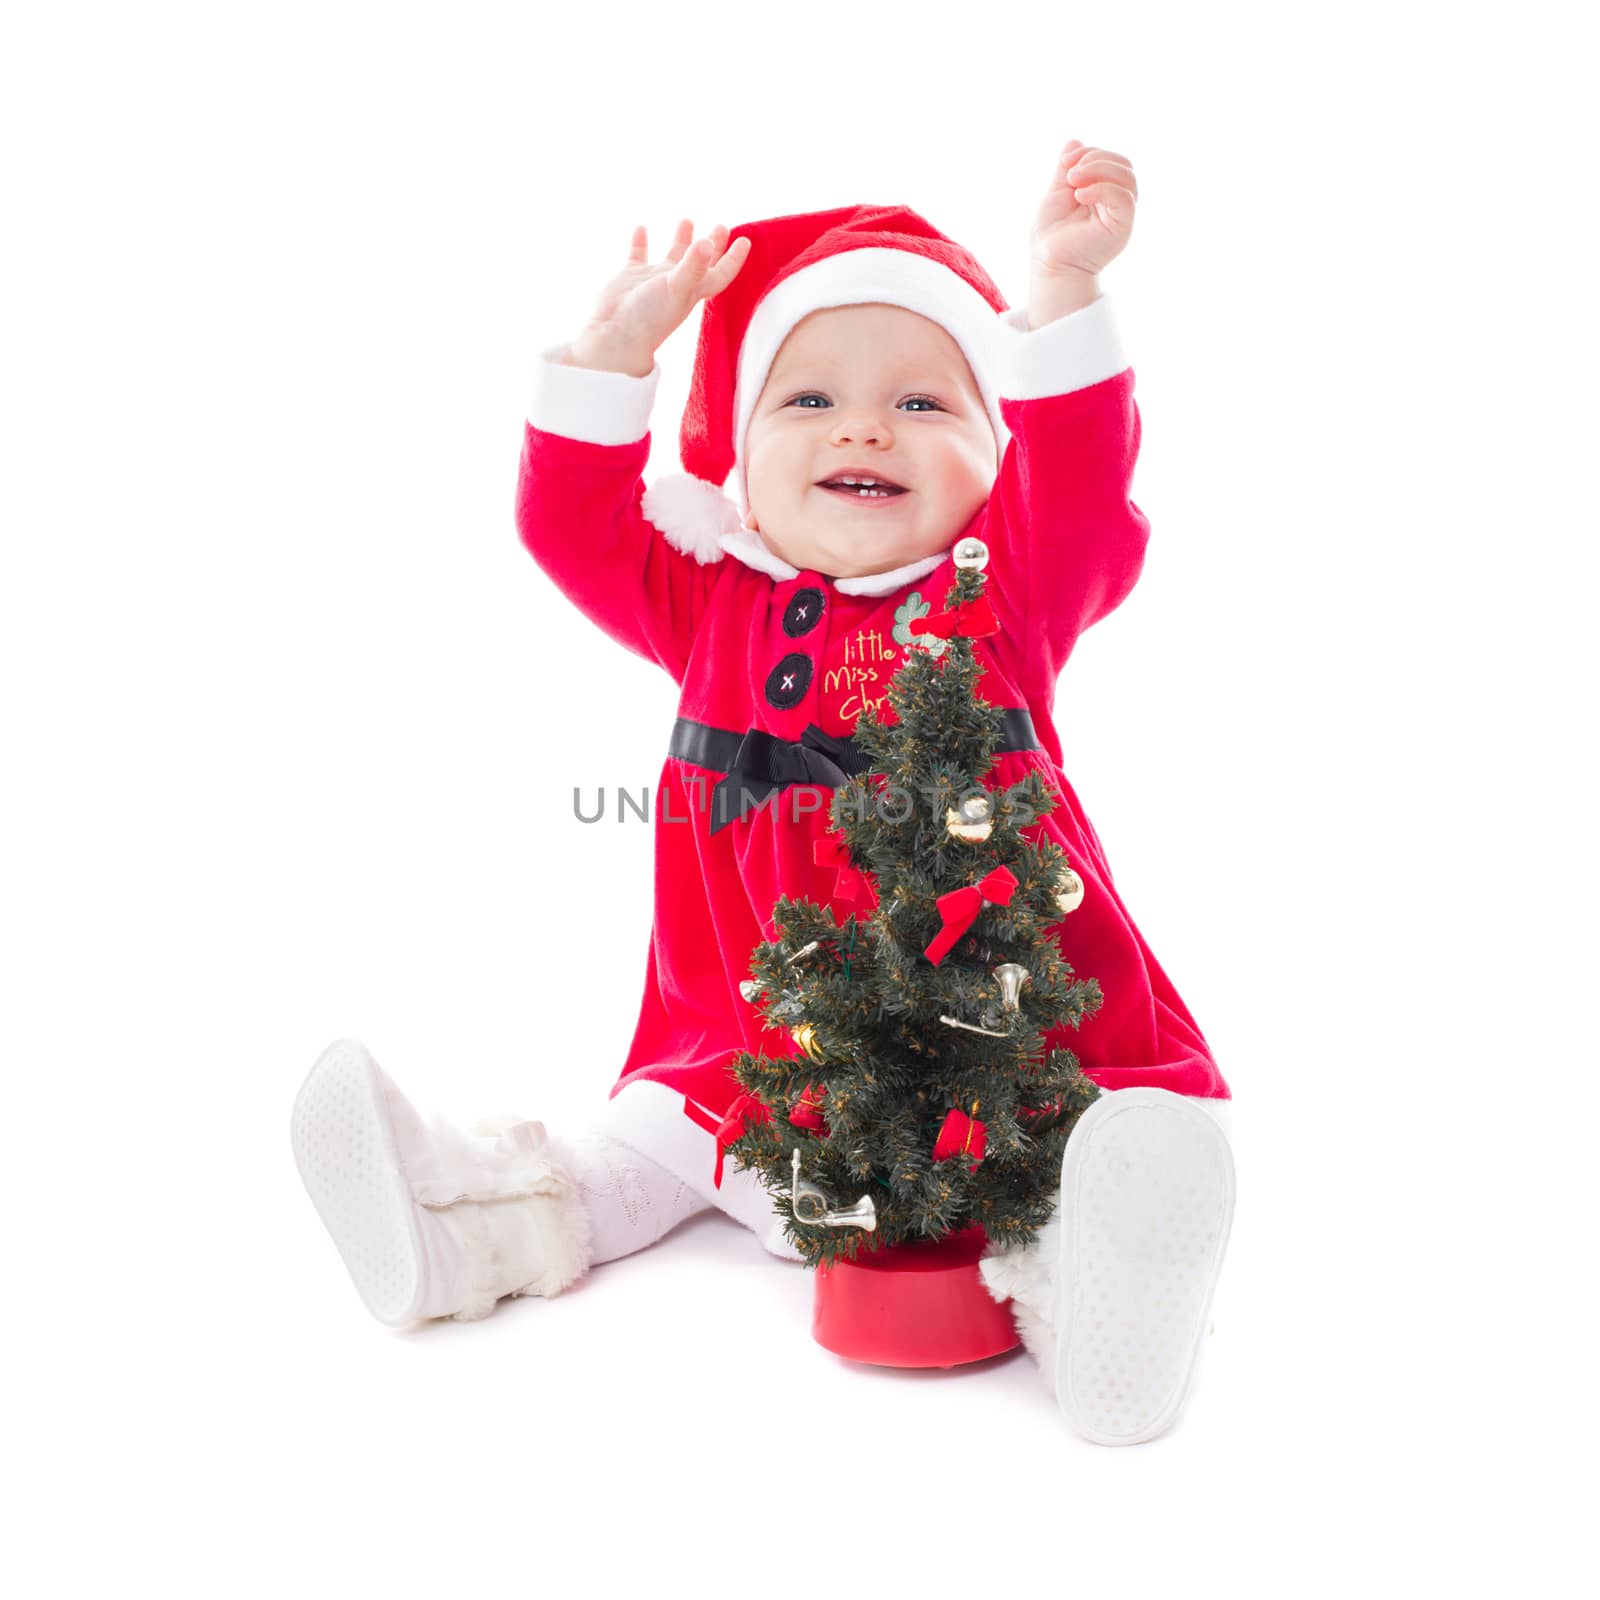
[[1113, 1298], [433, 1221]]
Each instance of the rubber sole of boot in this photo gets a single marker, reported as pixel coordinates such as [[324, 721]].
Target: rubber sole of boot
[[1147, 1192], [345, 1150]]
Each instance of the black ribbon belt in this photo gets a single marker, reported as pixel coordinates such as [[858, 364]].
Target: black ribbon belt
[[758, 764]]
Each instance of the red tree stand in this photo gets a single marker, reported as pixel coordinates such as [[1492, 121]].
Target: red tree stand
[[912, 1305]]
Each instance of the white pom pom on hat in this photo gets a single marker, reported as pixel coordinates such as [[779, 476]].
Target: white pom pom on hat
[[693, 515]]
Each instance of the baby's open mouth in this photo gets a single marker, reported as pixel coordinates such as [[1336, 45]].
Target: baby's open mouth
[[863, 488]]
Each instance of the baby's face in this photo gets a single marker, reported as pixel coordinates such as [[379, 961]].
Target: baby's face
[[866, 391]]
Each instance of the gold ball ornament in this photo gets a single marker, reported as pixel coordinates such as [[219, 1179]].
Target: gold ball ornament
[[973, 819], [972, 554], [805, 1035], [1069, 890]]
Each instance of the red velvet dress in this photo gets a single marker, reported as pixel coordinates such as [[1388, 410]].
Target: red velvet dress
[[755, 644]]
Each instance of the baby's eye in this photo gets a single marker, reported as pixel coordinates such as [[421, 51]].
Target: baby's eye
[[802, 400]]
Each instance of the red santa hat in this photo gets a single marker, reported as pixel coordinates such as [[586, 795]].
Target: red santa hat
[[853, 255]]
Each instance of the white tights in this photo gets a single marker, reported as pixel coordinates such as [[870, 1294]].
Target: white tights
[[644, 1166], [631, 1200]]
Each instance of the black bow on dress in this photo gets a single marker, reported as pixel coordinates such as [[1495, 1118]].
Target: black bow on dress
[[765, 764]]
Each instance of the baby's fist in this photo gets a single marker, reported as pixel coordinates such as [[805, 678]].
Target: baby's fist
[[1087, 213]]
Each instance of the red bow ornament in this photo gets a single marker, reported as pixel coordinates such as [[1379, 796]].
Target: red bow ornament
[[959, 909], [807, 1112], [744, 1111], [961, 1135], [973, 620], [852, 883]]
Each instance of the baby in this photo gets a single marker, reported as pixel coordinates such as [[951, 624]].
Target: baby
[[863, 390]]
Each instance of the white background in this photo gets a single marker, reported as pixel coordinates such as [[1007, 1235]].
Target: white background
[[292, 725]]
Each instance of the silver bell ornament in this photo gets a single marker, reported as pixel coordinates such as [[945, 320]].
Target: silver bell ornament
[[972, 820], [1011, 976], [971, 554], [817, 1206]]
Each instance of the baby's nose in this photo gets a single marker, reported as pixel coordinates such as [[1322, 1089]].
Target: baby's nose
[[862, 428]]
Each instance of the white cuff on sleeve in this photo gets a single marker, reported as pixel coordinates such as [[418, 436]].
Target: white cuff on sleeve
[[596, 407], [1070, 353]]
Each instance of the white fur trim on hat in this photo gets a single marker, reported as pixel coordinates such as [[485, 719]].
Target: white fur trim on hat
[[866, 277], [693, 515]]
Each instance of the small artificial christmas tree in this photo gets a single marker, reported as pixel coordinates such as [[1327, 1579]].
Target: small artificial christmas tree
[[922, 1102]]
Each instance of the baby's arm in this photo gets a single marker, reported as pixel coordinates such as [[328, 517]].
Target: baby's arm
[[586, 444], [1067, 539]]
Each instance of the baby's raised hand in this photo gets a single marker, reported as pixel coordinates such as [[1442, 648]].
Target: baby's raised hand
[[647, 300], [1087, 212]]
